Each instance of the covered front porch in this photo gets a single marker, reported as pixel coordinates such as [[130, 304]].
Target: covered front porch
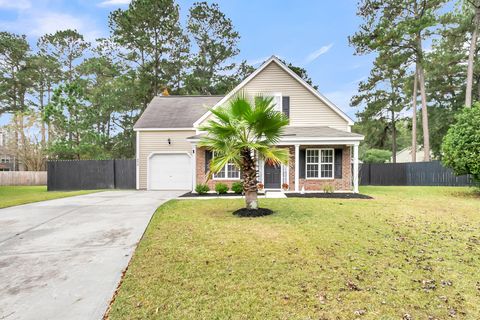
[[320, 159]]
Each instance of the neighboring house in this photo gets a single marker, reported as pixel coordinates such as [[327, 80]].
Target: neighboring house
[[405, 155], [318, 137], [7, 160]]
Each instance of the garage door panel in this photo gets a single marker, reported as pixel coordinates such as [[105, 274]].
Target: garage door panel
[[170, 172]]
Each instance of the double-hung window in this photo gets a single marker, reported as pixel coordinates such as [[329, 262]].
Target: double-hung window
[[230, 171], [319, 163]]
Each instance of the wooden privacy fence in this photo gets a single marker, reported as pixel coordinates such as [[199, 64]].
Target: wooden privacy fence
[[410, 174], [23, 178], [91, 174]]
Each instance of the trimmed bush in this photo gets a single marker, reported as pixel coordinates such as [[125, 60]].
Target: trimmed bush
[[237, 187], [202, 188], [221, 188]]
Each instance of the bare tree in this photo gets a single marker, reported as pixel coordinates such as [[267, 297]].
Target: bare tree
[[29, 151]]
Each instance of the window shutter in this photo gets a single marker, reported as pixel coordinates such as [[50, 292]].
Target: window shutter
[[338, 163], [302, 164], [286, 106], [208, 158]]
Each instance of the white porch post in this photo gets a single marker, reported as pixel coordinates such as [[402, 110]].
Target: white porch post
[[137, 162], [355, 168], [297, 166], [194, 166]]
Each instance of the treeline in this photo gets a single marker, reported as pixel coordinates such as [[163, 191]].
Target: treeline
[[426, 58], [72, 99]]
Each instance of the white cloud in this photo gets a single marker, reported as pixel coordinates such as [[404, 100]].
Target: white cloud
[[359, 80], [15, 4], [317, 53], [36, 23], [108, 3]]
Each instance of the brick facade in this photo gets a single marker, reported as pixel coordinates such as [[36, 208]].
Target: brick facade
[[202, 176], [343, 184]]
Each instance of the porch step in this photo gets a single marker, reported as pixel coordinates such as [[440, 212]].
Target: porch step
[[275, 194]]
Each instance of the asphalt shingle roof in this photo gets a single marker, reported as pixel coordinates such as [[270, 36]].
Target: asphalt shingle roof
[[320, 131], [175, 111], [309, 132]]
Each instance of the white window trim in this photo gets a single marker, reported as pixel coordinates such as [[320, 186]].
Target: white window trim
[[226, 172], [278, 100], [320, 164]]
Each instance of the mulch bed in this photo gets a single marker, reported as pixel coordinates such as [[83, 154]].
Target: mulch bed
[[206, 195], [260, 212], [328, 195]]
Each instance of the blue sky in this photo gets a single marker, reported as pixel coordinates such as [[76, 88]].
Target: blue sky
[[310, 33]]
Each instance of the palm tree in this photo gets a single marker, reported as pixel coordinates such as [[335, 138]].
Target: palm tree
[[239, 133]]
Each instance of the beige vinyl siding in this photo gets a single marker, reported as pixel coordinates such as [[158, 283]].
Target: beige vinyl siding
[[157, 141], [305, 108]]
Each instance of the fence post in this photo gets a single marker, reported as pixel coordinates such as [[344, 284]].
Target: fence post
[[114, 174]]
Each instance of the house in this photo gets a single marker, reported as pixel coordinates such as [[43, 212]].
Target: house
[[405, 155], [318, 137], [8, 161]]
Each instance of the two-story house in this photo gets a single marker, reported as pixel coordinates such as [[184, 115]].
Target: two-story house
[[323, 150]]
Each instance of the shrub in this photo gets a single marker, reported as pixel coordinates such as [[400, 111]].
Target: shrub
[[461, 145], [376, 156], [202, 188], [221, 188], [237, 187]]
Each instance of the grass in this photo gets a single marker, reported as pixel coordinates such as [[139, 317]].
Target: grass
[[411, 253], [14, 196]]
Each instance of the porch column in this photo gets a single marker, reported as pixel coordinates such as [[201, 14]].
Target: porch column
[[355, 168], [297, 166], [194, 166]]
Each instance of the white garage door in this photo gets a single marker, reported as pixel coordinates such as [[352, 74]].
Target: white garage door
[[170, 172]]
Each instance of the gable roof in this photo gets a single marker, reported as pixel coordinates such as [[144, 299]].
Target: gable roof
[[175, 111], [274, 59]]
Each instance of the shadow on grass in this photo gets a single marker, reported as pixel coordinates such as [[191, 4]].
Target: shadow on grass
[[472, 193], [260, 212]]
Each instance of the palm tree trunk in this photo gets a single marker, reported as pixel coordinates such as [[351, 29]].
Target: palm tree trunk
[[471, 57], [414, 118], [249, 180]]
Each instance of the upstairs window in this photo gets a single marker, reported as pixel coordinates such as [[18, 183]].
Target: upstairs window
[[277, 100]]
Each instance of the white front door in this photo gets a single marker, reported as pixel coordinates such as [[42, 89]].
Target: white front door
[[169, 172]]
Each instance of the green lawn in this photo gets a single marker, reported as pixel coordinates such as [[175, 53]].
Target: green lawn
[[411, 250], [14, 196]]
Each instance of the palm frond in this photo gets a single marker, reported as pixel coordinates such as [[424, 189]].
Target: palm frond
[[273, 155], [240, 126]]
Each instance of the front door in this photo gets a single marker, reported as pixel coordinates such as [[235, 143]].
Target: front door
[[273, 176]]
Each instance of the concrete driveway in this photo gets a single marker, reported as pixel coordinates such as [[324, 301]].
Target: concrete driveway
[[63, 258]]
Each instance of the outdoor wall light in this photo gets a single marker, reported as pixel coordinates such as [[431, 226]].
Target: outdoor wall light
[[169, 141]]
